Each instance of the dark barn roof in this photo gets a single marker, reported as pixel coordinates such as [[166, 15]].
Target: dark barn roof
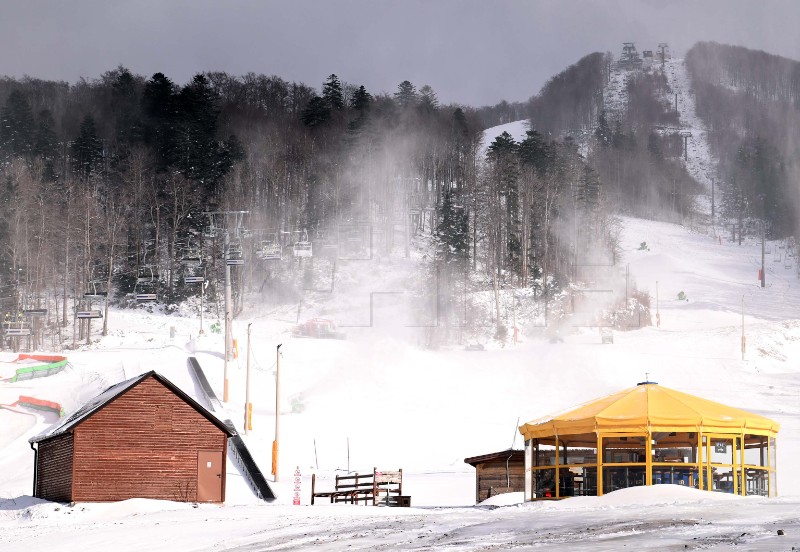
[[114, 392], [502, 455]]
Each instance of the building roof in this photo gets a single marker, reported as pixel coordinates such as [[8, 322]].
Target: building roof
[[502, 455], [113, 393], [649, 406]]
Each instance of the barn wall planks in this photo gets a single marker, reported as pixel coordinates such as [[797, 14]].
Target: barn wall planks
[[144, 444], [54, 475], [492, 478]]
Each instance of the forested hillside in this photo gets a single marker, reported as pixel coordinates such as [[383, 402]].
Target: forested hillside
[[119, 184], [107, 184], [750, 101]]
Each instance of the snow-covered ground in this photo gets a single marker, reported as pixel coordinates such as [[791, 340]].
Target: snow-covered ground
[[516, 129], [699, 163], [425, 411]]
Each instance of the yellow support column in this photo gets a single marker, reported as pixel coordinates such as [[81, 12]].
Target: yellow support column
[[648, 460], [743, 490], [558, 461], [699, 460], [599, 464]]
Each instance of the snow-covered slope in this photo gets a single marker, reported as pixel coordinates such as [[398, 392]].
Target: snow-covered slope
[[516, 129], [700, 163], [377, 400]]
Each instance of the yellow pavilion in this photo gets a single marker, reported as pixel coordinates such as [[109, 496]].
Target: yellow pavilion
[[649, 435]]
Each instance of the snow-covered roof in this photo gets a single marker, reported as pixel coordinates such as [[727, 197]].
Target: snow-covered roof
[[116, 391]]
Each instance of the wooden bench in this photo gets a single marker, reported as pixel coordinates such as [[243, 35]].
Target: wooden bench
[[379, 488]]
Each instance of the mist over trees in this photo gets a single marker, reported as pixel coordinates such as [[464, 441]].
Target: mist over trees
[[107, 184], [750, 101]]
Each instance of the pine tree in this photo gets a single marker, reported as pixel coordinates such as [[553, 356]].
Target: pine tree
[[16, 126], [332, 93], [87, 149], [46, 142], [361, 99], [316, 113], [159, 102], [452, 232], [406, 95], [428, 102], [603, 132]]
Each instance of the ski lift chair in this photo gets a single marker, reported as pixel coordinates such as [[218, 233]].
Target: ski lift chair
[[270, 250], [234, 258], [96, 289], [210, 231], [90, 313], [303, 247], [147, 275], [191, 257]]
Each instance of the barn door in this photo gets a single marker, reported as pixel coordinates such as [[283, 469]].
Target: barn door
[[209, 476]]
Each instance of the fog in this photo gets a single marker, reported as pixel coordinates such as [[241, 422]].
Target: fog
[[471, 52]]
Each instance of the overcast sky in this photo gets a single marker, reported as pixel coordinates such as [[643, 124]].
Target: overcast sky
[[473, 52]]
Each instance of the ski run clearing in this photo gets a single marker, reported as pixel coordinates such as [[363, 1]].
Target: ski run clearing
[[425, 411]]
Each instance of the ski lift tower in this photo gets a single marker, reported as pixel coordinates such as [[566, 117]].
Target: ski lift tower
[[663, 52], [230, 224]]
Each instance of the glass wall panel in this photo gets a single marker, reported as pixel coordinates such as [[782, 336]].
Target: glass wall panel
[[685, 455], [722, 479], [544, 483], [624, 450], [757, 482], [578, 481], [772, 457], [721, 451], [622, 477], [675, 475], [755, 452]]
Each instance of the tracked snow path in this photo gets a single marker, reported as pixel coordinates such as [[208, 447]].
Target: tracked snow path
[[699, 161]]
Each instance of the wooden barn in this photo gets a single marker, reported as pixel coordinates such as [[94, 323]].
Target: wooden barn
[[498, 473], [141, 438]]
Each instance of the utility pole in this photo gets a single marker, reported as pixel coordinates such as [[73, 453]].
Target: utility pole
[[744, 340], [232, 223], [277, 411], [228, 307], [712, 201], [763, 240], [658, 314], [248, 407]]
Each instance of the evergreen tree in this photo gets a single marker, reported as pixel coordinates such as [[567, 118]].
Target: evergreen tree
[[87, 149], [452, 232], [406, 95], [460, 123], [428, 102], [159, 102], [534, 152], [16, 126], [125, 104], [316, 113], [361, 99], [332, 93], [46, 142], [603, 132], [198, 154], [588, 190], [503, 157]]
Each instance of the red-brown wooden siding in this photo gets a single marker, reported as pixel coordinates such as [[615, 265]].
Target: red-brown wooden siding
[[144, 444], [54, 469]]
